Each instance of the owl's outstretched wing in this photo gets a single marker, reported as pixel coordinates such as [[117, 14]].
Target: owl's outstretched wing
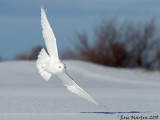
[[49, 36], [74, 88]]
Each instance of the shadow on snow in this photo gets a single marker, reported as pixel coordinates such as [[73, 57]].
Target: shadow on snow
[[113, 112]]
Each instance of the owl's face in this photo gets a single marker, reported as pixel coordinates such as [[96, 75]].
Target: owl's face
[[59, 67]]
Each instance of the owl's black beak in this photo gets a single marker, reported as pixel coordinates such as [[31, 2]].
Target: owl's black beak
[[65, 66]]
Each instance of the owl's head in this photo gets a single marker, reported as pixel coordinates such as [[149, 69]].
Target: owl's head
[[59, 67]]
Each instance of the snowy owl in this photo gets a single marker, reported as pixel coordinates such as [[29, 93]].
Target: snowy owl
[[49, 63]]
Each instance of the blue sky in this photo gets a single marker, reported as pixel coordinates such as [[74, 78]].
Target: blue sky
[[20, 28]]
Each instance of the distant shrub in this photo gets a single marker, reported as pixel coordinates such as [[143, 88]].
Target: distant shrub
[[29, 56], [128, 45]]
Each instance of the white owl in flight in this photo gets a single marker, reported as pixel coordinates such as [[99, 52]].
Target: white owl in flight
[[49, 64]]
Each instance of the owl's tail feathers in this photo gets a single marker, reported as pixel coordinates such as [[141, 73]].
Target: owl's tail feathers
[[43, 57]]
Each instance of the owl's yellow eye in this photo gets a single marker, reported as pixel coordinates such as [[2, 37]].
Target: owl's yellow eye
[[59, 66]]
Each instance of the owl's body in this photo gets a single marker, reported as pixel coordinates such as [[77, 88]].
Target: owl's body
[[48, 66]]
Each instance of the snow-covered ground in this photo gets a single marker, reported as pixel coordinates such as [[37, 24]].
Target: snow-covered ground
[[128, 93]]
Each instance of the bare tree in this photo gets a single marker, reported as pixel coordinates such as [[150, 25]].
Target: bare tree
[[128, 45]]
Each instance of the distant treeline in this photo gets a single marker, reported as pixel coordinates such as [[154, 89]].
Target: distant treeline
[[29, 56], [129, 44]]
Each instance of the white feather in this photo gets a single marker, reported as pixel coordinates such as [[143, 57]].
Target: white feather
[[42, 60], [45, 75], [74, 88], [49, 36]]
